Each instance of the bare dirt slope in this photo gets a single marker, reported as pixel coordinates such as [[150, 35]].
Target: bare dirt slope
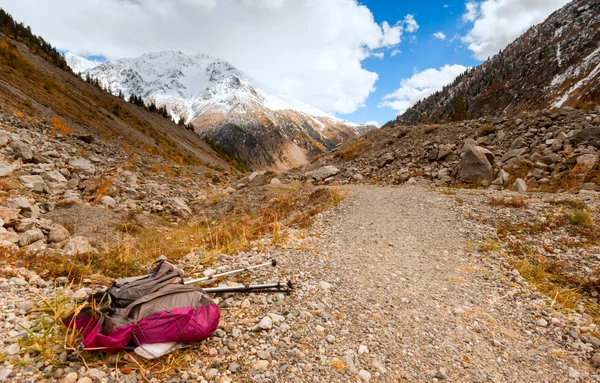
[[404, 285]]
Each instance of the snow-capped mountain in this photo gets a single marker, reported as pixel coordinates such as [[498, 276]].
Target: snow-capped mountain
[[246, 118], [554, 64], [79, 64]]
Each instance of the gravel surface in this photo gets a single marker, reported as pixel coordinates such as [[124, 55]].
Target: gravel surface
[[386, 291], [404, 288]]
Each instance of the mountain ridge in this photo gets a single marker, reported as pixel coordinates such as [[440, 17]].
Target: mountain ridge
[[555, 63], [227, 105]]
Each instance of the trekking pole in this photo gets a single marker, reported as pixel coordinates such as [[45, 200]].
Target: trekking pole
[[272, 262], [267, 288]]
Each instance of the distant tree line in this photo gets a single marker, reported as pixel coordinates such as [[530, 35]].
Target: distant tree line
[[23, 34], [139, 101]]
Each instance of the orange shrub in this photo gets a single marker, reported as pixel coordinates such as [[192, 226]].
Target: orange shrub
[[60, 126]]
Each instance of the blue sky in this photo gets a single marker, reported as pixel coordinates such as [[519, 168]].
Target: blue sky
[[425, 52]]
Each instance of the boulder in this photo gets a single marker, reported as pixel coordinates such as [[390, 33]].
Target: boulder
[[513, 153], [6, 170], [82, 166], [469, 143], [30, 236], [58, 233], [444, 151], [589, 135], [275, 182], [78, 245], [53, 176], [179, 206], [475, 166], [257, 178], [502, 178], [385, 159], [32, 182], [22, 150], [9, 237], [587, 162], [520, 186], [323, 173], [518, 143], [107, 201], [27, 224], [20, 203], [9, 215]]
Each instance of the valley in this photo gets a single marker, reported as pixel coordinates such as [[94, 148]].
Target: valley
[[458, 242]]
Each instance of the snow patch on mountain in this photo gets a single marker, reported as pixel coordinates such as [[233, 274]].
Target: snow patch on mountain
[[191, 85], [80, 64]]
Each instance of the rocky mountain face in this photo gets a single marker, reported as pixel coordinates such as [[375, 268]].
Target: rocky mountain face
[[224, 104], [544, 151], [554, 64]]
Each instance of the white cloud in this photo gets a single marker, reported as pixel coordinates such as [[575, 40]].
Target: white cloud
[[472, 11], [379, 55], [411, 24], [499, 22], [439, 35], [419, 86], [312, 50], [373, 123], [446, 5], [395, 52]]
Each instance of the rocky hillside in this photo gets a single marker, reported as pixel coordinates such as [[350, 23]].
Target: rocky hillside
[[35, 88], [554, 64], [243, 116], [547, 151]]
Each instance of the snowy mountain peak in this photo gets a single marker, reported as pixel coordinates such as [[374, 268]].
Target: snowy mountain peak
[[188, 84], [214, 96], [79, 64]]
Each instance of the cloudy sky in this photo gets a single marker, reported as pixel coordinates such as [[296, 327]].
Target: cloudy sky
[[363, 61]]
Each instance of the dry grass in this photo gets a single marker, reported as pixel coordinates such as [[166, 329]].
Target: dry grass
[[352, 151], [580, 217], [234, 231], [430, 128], [577, 228], [513, 202], [487, 130]]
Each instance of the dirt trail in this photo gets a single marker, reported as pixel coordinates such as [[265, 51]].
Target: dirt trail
[[404, 285]]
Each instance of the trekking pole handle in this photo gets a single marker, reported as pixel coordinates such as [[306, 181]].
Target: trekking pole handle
[[273, 263]]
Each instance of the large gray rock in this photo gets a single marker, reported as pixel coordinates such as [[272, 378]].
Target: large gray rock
[[107, 201], [179, 206], [30, 236], [520, 186], [518, 143], [54, 176], [58, 233], [589, 135], [502, 178], [78, 245], [475, 166], [387, 159], [22, 150], [32, 182], [323, 173], [587, 162], [83, 166], [6, 170], [513, 153], [20, 203]]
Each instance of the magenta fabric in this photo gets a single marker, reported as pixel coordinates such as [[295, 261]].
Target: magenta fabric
[[183, 324]]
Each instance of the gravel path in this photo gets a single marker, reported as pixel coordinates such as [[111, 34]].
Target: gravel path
[[426, 309]]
